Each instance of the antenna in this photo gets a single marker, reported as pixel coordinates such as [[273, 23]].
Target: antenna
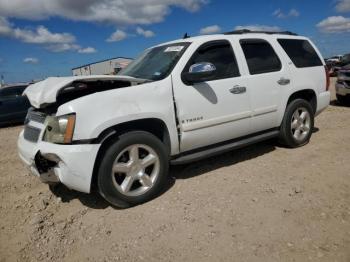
[[186, 36]]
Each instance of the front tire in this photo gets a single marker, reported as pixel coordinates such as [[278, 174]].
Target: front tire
[[133, 170], [297, 124]]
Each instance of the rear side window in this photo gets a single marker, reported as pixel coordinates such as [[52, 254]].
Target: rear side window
[[260, 56], [220, 54], [300, 52]]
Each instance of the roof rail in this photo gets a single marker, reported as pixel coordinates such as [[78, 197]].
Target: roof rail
[[247, 31]]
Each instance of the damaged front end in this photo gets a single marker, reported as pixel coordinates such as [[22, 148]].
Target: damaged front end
[[55, 91], [46, 144], [45, 168]]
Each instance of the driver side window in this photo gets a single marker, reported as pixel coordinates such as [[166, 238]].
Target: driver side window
[[221, 55]]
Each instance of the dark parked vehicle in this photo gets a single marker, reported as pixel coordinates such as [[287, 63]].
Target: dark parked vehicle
[[13, 106], [344, 61], [334, 65], [331, 68], [342, 87]]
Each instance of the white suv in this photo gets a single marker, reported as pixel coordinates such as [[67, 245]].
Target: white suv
[[178, 102]]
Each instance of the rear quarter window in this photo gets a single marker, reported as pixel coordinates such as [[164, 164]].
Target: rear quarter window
[[300, 52]]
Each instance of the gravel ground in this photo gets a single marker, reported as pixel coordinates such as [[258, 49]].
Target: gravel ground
[[261, 203]]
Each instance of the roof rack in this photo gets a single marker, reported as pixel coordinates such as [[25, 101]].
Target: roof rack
[[247, 31]]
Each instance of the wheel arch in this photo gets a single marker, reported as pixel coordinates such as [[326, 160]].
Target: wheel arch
[[306, 94], [155, 126]]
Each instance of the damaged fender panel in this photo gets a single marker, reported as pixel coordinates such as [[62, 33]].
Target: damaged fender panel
[[110, 108]]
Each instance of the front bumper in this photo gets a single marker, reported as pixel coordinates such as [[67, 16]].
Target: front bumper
[[73, 163], [341, 89]]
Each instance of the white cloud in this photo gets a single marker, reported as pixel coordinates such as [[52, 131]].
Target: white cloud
[[292, 13], [87, 50], [31, 60], [55, 42], [259, 28], [42, 36], [5, 27], [145, 33], [334, 24], [210, 30], [118, 35], [343, 6], [118, 12], [57, 48]]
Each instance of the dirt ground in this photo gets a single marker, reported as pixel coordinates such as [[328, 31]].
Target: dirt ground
[[261, 203]]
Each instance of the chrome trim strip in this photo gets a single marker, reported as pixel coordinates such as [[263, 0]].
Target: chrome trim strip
[[264, 110], [36, 125], [215, 121]]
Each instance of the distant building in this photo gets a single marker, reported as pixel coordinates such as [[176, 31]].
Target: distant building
[[105, 67], [2, 81]]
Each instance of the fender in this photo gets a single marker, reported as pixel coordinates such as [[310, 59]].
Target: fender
[[100, 111]]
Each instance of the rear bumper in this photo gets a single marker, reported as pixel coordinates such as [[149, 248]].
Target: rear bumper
[[323, 101], [342, 90], [73, 163]]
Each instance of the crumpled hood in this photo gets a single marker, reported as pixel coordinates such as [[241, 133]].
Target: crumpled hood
[[46, 91]]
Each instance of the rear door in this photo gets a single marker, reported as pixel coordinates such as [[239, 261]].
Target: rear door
[[267, 77]]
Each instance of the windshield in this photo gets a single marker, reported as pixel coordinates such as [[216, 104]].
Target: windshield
[[156, 63]]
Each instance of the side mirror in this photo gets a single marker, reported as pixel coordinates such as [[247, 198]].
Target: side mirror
[[198, 73]]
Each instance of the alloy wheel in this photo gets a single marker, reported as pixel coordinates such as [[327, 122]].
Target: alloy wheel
[[135, 170], [300, 124]]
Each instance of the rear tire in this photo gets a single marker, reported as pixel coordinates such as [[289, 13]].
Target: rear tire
[[133, 170], [297, 124]]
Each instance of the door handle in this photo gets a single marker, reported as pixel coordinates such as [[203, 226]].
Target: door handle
[[238, 89], [283, 81]]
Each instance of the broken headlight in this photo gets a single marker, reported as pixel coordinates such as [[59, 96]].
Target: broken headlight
[[59, 129]]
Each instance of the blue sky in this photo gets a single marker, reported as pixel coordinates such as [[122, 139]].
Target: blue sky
[[47, 38]]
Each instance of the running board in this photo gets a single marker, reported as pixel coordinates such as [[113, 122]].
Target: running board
[[208, 152]]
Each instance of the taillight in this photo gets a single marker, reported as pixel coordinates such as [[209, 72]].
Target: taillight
[[327, 78]]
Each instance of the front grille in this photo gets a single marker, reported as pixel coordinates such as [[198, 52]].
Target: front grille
[[31, 130], [31, 133], [36, 116]]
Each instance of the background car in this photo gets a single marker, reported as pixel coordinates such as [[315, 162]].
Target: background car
[[342, 86], [334, 59], [334, 65], [330, 66], [13, 106]]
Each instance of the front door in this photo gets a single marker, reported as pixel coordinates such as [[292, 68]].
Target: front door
[[213, 111]]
